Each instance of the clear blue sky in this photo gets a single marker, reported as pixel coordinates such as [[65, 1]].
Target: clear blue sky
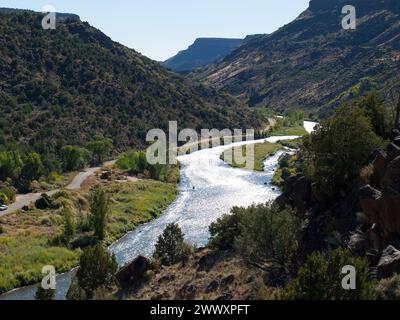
[[161, 28]]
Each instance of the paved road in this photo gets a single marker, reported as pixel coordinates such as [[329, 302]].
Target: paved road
[[26, 199]]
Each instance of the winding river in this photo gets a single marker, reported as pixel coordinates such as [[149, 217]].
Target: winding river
[[209, 188]]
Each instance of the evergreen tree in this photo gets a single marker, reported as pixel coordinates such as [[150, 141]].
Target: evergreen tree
[[169, 245], [97, 268]]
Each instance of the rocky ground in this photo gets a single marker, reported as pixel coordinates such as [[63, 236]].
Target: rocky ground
[[207, 274]]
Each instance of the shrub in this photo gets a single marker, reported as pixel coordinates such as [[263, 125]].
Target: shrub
[[69, 226], [320, 279], [168, 248], [4, 199], [269, 236], [42, 294], [10, 192], [74, 158], [225, 230], [75, 292], [389, 289], [97, 268]]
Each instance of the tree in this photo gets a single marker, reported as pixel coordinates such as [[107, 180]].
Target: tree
[[269, 236], [97, 268], [33, 167], [69, 227], [74, 158], [169, 245], [4, 199], [43, 294], [100, 148], [320, 279], [10, 165], [225, 230], [338, 149], [99, 212], [376, 110]]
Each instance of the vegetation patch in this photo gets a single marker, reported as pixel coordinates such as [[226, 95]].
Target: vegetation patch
[[54, 236], [261, 152]]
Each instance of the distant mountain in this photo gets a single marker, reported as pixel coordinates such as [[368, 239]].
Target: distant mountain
[[64, 86], [202, 52], [313, 62]]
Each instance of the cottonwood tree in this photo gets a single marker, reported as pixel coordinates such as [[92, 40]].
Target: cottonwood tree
[[99, 212]]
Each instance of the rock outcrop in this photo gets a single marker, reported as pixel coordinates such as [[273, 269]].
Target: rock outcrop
[[389, 262], [134, 272], [381, 202]]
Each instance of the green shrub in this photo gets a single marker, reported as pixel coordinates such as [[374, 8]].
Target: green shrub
[[269, 236], [10, 192], [97, 268], [225, 230], [389, 289], [74, 158], [320, 279], [4, 199], [42, 294]]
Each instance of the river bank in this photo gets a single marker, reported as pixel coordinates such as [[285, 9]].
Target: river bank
[[217, 188]]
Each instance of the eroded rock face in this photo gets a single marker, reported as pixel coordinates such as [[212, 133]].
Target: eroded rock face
[[390, 261], [382, 207], [298, 191], [133, 272]]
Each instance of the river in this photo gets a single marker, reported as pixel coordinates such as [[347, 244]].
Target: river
[[217, 188]]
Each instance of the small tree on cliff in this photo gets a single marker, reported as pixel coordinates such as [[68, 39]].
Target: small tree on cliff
[[97, 268], [169, 245], [339, 148]]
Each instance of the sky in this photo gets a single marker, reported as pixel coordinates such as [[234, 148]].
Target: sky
[[161, 28]]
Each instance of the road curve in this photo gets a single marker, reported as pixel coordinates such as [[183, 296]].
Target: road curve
[[23, 200]]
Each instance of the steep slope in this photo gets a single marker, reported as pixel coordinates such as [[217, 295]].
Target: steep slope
[[202, 52], [66, 85], [313, 62]]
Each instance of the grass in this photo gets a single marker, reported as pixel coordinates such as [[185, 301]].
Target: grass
[[261, 152], [26, 241], [289, 131], [136, 203]]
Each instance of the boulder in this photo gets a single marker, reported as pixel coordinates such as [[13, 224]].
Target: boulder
[[301, 193], [105, 175], [133, 273], [370, 202], [212, 286], [207, 261], [283, 201], [391, 180], [393, 151], [389, 262], [380, 163], [396, 141], [381, 209], [187, 292], [228, 280]]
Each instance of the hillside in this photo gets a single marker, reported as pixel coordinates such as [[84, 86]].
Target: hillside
[[312, 62], [64, 86], [202, 52]]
